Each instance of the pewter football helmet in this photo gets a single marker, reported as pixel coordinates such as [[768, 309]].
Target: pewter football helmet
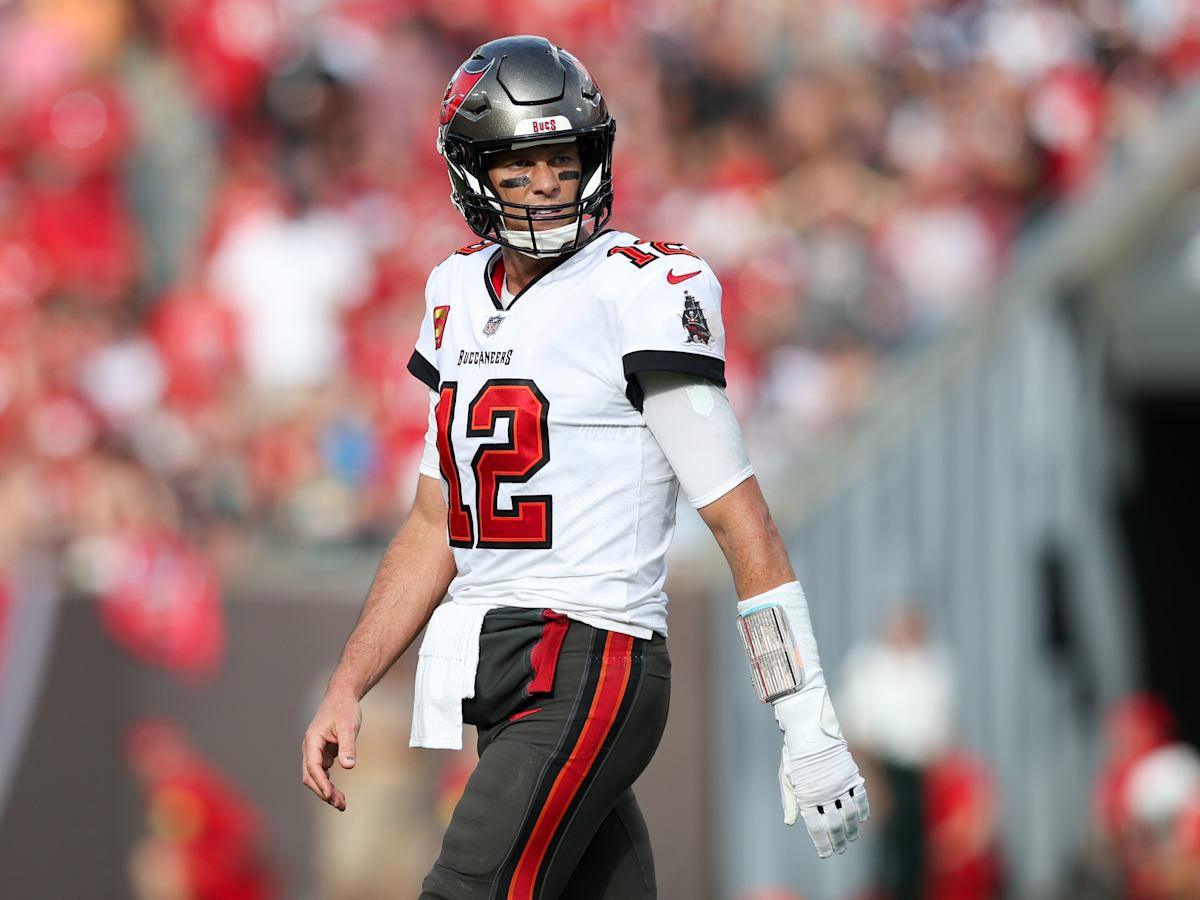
[[523, 90]]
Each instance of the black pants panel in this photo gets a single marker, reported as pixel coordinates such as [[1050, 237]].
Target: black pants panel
[[548, 813], [618, 862]]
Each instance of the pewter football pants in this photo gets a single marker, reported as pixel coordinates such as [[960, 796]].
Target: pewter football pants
[[568, 717]]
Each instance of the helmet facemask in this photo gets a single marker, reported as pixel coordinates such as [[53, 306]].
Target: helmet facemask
[[512, 224]]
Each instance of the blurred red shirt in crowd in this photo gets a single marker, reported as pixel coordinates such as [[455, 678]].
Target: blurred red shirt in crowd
[[163, 603], [1183, 875], [228, 47], [1068, 114], [961, 816], [1135, 726], [72, 146], [203, 831], [196, 337]]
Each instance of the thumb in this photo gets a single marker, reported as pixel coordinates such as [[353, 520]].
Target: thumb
[[346, 740], [787, 793]]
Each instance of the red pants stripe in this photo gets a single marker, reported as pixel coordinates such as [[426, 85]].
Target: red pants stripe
[[614, 679]]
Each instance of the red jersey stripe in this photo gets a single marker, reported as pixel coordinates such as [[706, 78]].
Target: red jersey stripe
[[498, 277]]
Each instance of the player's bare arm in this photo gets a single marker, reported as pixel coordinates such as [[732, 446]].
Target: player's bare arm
[[411, 581], [742, 525]]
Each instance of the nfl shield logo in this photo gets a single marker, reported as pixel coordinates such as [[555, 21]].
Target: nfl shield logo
[[492, 325]]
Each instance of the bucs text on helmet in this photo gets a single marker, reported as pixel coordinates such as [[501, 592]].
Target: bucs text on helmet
[[518, 91]]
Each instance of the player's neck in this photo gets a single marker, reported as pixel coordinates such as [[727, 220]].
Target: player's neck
[[520, 269]]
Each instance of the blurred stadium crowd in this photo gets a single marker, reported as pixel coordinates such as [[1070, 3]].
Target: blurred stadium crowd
[[217, 216]]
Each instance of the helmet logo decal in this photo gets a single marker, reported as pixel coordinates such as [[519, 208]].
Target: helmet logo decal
[[694, 322], [460, 86]]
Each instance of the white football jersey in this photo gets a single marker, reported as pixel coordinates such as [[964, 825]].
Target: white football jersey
[[558, 496]]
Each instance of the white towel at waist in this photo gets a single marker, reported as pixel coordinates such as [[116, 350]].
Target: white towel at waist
[[446, 667]]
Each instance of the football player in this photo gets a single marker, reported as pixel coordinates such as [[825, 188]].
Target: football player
[[576, 378]]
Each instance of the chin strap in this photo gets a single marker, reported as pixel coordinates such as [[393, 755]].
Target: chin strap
[[550, 242]]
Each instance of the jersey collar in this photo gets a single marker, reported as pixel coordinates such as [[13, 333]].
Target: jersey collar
[[493, 273]]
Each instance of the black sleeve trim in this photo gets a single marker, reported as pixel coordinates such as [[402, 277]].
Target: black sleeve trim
[[668, 361], [423, 369]]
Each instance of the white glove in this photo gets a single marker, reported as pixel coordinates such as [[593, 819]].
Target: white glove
[[817, 775], [818, 778]]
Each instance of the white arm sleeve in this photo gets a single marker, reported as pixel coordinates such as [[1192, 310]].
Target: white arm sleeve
[[430, 462], [692, 421]]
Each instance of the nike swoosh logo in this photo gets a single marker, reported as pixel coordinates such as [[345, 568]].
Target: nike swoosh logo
[[675, 279]]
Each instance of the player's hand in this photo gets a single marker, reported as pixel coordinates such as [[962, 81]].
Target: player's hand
[[331, 735], [818, 778]]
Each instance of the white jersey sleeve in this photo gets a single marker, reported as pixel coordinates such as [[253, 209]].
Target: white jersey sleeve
[[423, 362], [430, 459], [671, 321], [698, 432]]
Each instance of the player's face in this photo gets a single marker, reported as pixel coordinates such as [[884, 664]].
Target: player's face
[[538, 175]]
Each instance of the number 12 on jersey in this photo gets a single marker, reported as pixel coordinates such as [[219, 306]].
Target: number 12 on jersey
[[528, 524]]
